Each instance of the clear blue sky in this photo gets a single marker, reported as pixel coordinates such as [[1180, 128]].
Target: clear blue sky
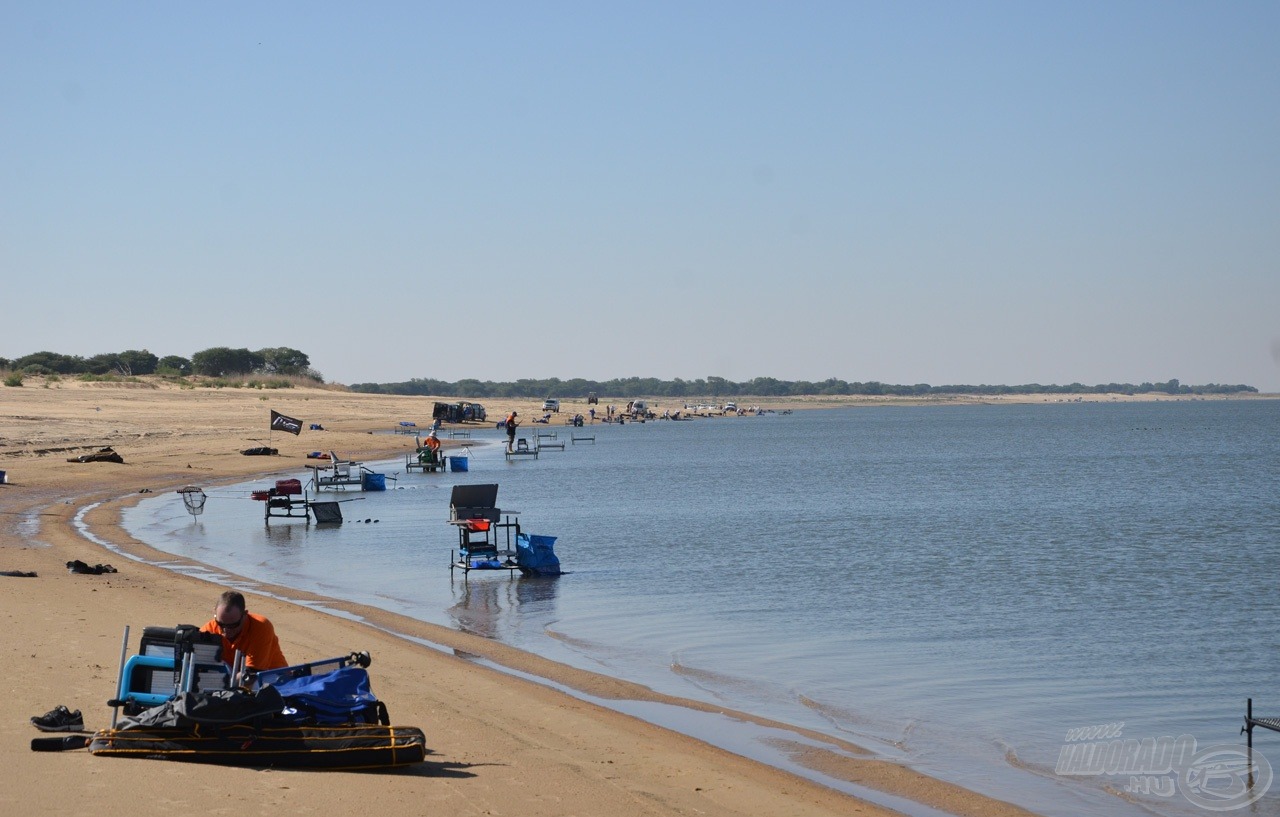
[[910, 192]]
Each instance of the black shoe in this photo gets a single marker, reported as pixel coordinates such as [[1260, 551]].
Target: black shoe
[[59, 719]]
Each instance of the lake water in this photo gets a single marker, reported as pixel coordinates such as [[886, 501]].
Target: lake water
[[952, 586]]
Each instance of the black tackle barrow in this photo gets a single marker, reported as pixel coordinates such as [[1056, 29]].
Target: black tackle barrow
[[292, 746], [285, 722]]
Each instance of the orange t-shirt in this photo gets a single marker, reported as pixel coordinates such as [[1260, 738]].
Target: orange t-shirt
[[256, 639]]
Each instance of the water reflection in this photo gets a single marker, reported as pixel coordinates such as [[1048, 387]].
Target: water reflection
[[284, 534], [537, 594], [499, 608], [479, 606]]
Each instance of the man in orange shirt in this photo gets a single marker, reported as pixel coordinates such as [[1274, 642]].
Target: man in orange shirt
[[432, 443], [429, 451], [247, 632]]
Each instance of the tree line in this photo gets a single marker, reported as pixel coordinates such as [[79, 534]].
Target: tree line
[[217, 361], [758, 387], [222, 361]]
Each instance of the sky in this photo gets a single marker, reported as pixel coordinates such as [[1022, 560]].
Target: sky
[[906, 192]]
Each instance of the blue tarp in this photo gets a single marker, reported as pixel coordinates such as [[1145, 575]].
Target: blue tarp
[[341, 696], [535, 554]]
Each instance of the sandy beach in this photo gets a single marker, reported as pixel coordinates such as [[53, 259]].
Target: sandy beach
[[499, 744]]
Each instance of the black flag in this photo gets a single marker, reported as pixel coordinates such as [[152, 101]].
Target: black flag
[[279, 422]]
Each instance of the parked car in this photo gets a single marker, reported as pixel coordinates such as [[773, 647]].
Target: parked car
[[551, 404], [460, 412]]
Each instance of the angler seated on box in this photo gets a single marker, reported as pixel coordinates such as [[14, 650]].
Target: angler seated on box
[[245, 632], [429, 452]]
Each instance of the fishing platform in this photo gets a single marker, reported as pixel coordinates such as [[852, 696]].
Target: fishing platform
[[542, 437], [287, 501], [523, 449], [339, 475], [485, 533], [425, 459]]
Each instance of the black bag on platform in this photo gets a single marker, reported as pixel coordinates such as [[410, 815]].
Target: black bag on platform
[[219, 708]]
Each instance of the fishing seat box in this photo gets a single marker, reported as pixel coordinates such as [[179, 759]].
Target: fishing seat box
[[173, 642], [474, 502]]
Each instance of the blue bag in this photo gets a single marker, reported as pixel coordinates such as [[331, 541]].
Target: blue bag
[[340, 696], [536, 555]]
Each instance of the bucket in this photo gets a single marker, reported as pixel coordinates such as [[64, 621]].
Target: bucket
[[457, 463], [373, 482]]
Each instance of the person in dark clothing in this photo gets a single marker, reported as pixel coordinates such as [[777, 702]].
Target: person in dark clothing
[[511, 431]]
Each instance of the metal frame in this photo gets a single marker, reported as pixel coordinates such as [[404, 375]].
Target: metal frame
[[341, 473], [469, 506], [185, 670], [284, 507], [523, 449], [474, 544], [1250, 721], [414, 462]]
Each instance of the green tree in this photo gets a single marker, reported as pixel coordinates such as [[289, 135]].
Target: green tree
[[220, 361], [765, 386], [719, 387], [103, 363], [283, 360], [137, 362], [173, 364], [50, 362]]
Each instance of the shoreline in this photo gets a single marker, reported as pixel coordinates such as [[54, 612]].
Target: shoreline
[[59, 634], [815, 757], [585, 685]]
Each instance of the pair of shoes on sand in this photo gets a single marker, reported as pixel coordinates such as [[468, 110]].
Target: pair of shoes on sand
[[59, 719], [77, 566]]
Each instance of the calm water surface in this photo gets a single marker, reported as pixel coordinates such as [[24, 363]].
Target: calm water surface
[[955, 586]]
